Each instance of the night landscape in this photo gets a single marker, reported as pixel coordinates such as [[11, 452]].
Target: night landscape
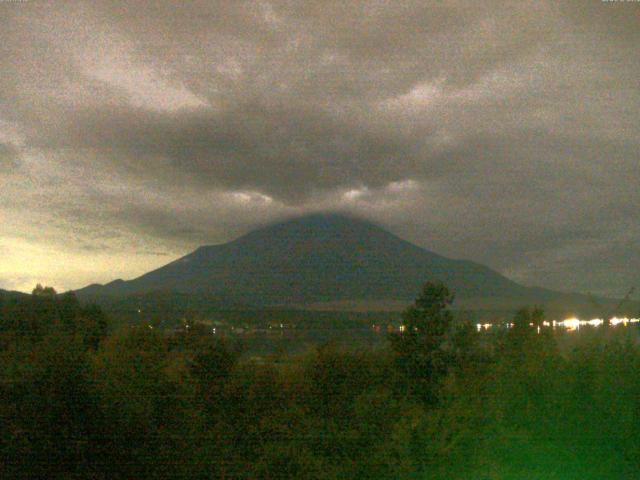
[[319, 240]]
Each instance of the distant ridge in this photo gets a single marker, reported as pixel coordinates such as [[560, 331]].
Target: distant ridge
[[322, 258], [12, 294]]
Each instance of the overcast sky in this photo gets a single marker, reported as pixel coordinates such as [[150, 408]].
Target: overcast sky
[[503, 132]]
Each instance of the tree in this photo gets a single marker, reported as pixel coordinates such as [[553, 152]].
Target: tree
[[46, 410], [146, 400], [2, 325], [41, 291], [525, 335], [421, 346], [92, 325]]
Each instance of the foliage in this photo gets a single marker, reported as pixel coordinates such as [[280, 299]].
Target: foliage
[[423, 354], [442, 402]]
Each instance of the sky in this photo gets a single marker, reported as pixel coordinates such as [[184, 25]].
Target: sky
[[505, 133]]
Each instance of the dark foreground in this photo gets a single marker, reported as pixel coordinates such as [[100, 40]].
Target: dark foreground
[[438, 401]]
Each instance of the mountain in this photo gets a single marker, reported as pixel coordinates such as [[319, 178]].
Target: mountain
[[315, 259], [11, 294]]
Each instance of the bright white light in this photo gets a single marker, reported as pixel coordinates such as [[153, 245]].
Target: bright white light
[[617, 321], [570, 323]]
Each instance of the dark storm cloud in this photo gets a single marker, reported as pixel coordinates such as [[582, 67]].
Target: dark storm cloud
[[285, 151], [506, 134]]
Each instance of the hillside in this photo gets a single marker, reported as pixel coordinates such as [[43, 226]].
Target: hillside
[[12, 294], [329, 261], [318, 258]]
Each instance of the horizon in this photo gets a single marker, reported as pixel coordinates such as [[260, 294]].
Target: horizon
[[324, 214], [311, 221], [281, 239]]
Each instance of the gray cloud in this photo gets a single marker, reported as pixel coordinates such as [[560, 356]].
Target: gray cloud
[[9, 156], [508, 135]]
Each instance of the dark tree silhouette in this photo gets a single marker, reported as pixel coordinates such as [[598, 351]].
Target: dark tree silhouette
[[421, 346], [41, 291]]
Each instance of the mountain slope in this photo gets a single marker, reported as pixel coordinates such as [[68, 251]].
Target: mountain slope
[[12, 294], [317, 258]]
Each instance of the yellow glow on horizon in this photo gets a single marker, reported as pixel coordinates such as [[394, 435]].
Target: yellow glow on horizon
[[26, 263]]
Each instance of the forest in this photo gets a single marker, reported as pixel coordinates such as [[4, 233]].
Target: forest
[[439, 400]]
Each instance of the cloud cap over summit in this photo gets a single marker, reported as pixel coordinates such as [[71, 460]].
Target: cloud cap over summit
[[132, 132]]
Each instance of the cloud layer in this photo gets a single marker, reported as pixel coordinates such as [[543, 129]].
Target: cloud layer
[[131, 132]]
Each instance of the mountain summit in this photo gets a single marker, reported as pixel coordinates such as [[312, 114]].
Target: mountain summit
[[311, 259]]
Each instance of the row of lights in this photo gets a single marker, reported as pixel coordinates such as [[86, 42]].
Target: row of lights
[[570, 324]]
